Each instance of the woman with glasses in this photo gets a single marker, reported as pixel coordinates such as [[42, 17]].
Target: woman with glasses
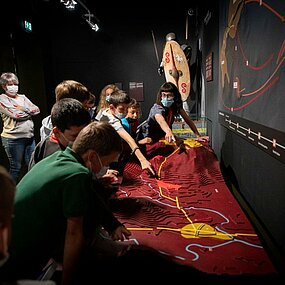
[[167, 107]]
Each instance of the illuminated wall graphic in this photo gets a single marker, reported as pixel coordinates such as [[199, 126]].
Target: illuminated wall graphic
[[252, 69]]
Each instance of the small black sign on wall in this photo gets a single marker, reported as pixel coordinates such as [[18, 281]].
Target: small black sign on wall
[[136, 91], [209, 67]]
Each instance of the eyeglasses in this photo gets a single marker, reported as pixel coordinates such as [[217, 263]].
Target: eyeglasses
[[167, 95]]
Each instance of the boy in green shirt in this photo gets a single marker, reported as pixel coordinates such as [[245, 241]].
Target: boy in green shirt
[[52, 200]]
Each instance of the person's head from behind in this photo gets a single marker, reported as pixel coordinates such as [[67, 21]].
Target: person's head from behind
[[169, 96], [104, 95], [68, 117], [72, 89], [118, 103], [9, 82], [91, 102], [133, 113], [7, 193], [91, 105], [98, 144]]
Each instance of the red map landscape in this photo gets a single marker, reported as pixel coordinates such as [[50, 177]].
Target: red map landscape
[[188, 213]]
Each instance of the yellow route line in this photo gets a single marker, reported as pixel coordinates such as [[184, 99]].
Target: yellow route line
[[193, 232], [196, 229]]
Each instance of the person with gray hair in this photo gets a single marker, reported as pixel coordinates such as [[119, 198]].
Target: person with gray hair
[[18, 127], [68, 118]]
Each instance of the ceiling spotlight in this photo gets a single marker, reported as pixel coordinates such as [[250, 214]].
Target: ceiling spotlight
[[88, 17], [69, 4], [94, 27], [91, 19]]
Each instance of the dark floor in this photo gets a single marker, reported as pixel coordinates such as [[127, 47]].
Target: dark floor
[[145, 265]]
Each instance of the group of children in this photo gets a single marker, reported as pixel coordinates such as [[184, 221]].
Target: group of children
[[58, 203], [123, 113]]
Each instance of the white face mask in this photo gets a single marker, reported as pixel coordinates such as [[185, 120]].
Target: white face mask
[[12, 89], [103, 169]]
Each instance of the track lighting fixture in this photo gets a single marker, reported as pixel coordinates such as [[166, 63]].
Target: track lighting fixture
[[89, 18], [69, 4]]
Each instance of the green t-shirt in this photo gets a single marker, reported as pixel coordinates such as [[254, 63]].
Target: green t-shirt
[[54, 189]]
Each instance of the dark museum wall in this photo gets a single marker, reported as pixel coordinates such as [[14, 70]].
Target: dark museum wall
[[251, 110], [62, 46]]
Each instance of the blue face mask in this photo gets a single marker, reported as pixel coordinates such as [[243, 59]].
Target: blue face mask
[[108, 97], [120, 115], [166, 102]]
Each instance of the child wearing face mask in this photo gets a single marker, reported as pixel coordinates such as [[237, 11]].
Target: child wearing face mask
[[18, 127], [103, 99], [161, 116], [131, 121], [118, 104], [58, 212], [68, 118]]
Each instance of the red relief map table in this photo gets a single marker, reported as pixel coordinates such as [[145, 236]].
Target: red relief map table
[[188, 213]]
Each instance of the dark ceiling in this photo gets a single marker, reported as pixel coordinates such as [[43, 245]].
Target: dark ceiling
[[104, 11], [48, 14], [139, 9]]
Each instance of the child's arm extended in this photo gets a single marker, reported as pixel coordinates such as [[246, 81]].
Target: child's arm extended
[[145, 164]]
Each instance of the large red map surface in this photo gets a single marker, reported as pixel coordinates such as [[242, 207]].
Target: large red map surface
[[188, 213]]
